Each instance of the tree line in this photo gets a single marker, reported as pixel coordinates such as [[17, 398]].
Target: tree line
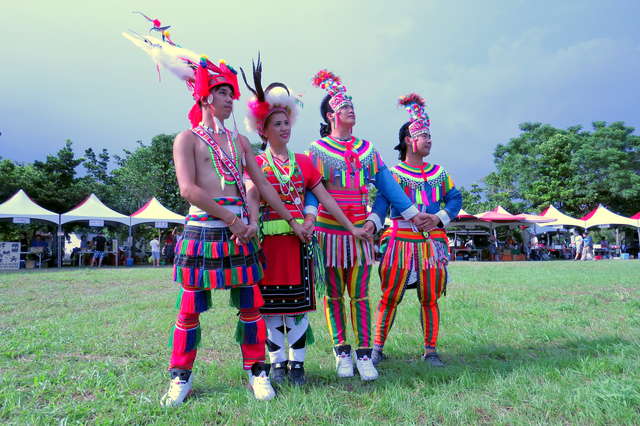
[[573, 168]]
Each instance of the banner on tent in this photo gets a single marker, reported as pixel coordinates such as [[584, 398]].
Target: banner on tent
[[22, 220], [9, 255], [162, 224], [96, 222]]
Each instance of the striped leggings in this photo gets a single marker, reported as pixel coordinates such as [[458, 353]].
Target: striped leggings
[[356, 280], [251, 332], [431, 284]]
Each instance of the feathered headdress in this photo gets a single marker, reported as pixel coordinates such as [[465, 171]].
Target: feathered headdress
[[332, 84], [415, 106], [200, 74], [275, 98]]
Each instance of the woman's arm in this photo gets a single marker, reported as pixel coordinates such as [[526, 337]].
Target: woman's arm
[[266, 190]]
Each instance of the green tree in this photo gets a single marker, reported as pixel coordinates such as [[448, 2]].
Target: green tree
[[145, 172]]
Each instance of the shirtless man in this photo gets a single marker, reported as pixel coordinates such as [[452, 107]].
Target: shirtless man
[[218, 249]]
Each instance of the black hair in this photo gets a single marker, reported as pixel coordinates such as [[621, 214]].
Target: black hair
[[402, 145], [325, 108]]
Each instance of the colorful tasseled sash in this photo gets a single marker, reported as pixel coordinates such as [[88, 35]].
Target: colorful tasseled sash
[[405, 248], [221, 201], [424, 185], [351, 164], [339, 247]]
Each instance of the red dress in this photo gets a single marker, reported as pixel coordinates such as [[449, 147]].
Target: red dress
[[287, 286]]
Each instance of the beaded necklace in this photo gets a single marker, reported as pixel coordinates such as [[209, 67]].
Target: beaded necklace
[[225, 176], [287, 188]]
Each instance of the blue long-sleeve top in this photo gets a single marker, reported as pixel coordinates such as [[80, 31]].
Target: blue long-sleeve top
[[429, 186]]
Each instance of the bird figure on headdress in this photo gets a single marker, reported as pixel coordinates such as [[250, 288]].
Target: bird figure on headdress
[[157, 25]]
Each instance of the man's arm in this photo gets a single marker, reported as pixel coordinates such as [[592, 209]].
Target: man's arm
[[184, 158], [379, 212]]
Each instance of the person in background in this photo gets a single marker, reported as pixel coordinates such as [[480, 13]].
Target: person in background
[[155, 251], [99, 244], [587, 249], [578, 242]]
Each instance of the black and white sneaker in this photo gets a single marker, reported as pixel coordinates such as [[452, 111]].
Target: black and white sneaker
[[179, 388], [365, 366], [344, 363], [259, 382], [278, 372], [296, 373], [433, 359]]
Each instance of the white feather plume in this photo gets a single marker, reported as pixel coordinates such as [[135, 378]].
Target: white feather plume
[[277, 97], [173, 58]]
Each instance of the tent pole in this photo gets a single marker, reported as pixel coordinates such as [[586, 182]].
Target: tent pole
[[59, 244], [130, 244]]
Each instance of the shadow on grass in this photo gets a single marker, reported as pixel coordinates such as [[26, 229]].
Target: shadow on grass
[[479, 363]]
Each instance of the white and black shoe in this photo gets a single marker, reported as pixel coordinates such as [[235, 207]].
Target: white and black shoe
[[365, 366], [296, 373], [179, 388], [433, 359], [344, 363], [278, 372], [259, 382]]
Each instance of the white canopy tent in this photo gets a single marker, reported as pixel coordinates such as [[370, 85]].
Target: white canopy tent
[[96, 213], [561, 218], [22, 209], [92, 209], [154, 211], [21, 206]]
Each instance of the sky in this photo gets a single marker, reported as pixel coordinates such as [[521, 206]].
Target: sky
[[483, 68]]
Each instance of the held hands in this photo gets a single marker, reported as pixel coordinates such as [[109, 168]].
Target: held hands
[[362, 234], [425, 222], [369, 227], [309, 225], [239, 230], [300, 231], [251, 231]]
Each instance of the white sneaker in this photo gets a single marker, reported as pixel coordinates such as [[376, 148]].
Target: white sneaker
[[261, 386], [365, 367], [344, 362], [179, 390]]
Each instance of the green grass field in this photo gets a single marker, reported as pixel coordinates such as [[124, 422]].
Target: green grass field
[[537, 342]]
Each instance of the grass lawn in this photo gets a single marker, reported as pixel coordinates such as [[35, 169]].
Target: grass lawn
[[537, 342]]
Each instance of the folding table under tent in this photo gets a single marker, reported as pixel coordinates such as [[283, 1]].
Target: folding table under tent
[[22, 209], [96, 213]]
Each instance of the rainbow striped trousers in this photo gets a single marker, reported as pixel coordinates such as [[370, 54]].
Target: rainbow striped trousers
[[409, 257]]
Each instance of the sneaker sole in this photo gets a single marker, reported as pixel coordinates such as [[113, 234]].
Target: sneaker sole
[[177, 404]]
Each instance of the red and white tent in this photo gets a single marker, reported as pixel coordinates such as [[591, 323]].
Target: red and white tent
[[499, 215], [603, 216]]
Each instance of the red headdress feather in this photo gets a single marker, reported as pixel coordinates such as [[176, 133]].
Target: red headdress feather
[[411, 98]]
